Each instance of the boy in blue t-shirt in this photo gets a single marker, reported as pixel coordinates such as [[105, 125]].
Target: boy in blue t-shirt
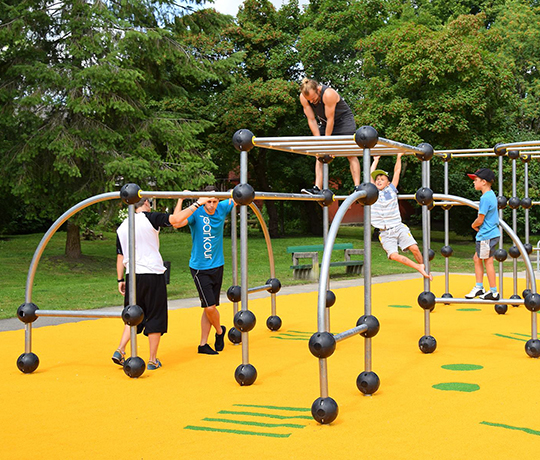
[[487, 226], [206, 263]]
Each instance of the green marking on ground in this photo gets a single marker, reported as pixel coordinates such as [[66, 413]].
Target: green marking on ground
[[300, 332], [457, 386], [288, 338], [399, 306], [522, 335], [244, 422], [510, 427], [462, 367], [262, 414], [296, 409], [508, 337], [248, 433], [468, 309]]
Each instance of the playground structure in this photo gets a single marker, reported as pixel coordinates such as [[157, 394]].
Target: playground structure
[[323, 343]]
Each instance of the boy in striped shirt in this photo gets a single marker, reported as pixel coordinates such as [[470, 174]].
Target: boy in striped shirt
[[386, 217]]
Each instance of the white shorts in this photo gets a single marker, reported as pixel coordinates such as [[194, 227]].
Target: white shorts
[[400, 235]]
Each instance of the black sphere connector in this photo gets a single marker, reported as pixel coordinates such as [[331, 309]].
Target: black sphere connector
[[273, 323], [243, 194], [515, 297], [447, 295], [532, 348], [513, 154], [27, 363], [234, 335], [446, 157], [324, 410], [243, 140], [134, 367], [514, 252], [499, 151], [514, 202], [525, 158], [424, 196], [245, 374], [501, 309], [234, 293], [366, 137], [427, 151], [372, 324], [372, 194], [322, 344], [526, 203], [501, 202], [27, 312], [500, 255], [330, 298], [431, 254], [244, 320], [326, 159], [526, 292], [275, 285], [532, 302], [426, 300], [368, 382], [329, 197], [528, 248], [446, 207], [427, 344], [447, 251], [130, 193], [132, 315]]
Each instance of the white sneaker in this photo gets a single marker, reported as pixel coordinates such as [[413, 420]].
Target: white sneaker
[[489, 295], [475, 292]]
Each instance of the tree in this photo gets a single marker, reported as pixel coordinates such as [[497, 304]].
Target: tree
[[94, 92]]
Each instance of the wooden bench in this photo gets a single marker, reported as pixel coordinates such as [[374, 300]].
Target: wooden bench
[[311, 270]]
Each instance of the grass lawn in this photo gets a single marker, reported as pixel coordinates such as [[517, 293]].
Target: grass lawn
[[90, 282]]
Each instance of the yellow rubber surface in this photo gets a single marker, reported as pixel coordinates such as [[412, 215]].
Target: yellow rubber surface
[[475, 397]]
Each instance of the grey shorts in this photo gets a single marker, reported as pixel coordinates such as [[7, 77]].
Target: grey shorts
[[400, 235], [486, 249]]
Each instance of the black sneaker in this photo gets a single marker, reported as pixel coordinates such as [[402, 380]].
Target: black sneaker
[[490, 296], [312, 191], [220, 340], [207, 350]]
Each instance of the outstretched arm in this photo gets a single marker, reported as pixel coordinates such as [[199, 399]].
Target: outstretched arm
[[179, 218], [374, 167], [397, 170]]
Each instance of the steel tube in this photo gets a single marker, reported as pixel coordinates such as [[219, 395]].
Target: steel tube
[[78, 314], [244, 256], [350, 332], [479, 301], [367, 259], [260, 288]]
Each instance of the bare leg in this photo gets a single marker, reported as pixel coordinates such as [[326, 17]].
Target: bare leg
[[416, 253], [126, 335], [354, 164], [318, 174], [490, 272], [153, 342], [479, 269], [406, 261], [210, 317]]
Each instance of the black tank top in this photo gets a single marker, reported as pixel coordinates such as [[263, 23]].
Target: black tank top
[[342, 108]]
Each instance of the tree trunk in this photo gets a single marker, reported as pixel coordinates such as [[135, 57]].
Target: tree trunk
[[73, 241]]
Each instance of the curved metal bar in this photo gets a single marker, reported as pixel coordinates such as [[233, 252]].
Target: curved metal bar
[[52, 230], [266, 233], [327, 254], [504, 225], [517, 145]]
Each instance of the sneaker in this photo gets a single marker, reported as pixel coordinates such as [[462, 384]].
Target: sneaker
[[207, 350], [357, 188], [490, 295], [153, 365], [312, 191], [475, 292], [220, 340], [118, 357]]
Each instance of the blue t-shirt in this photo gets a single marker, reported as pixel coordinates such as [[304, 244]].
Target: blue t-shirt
[[207, 236], [488, 207]]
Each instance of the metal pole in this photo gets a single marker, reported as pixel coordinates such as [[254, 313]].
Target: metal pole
[[501, 244], [244, 255], [446, 233], [366, 158], [132, 274], [526, 195], [425, 243], [234, 255], [514, 222]]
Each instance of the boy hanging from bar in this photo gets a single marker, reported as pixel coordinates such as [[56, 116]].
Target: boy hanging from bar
[[386, 217]]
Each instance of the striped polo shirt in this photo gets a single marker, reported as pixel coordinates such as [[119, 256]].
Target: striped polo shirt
[[385, 211]]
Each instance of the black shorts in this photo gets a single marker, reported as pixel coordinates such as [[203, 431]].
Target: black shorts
[[151, 296], [343, 126], [208, 283]]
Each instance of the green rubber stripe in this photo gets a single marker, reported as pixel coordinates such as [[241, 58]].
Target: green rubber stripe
[[522, 335], [289, 338], [248, 433], [300, 332], [261, 414], [296, 409], [508, 337], [510, 427], [243, 422]]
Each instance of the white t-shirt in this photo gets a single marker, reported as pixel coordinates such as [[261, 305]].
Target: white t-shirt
[[385, 211]]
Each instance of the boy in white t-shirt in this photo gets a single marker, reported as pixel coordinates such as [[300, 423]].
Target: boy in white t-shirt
[[386, 217]]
